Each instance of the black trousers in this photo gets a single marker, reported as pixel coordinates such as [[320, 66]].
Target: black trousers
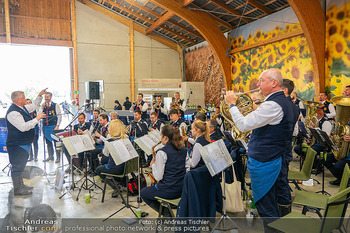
[[283, 189], [336, 167], [18, 158], [35, 145], [148, 193]]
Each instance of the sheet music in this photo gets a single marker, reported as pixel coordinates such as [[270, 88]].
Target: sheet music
[[216, 157], [146, 143], [156, 134], [121, 150], [78, 143]]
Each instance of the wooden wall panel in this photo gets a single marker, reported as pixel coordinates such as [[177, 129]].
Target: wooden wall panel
[[39, 20]]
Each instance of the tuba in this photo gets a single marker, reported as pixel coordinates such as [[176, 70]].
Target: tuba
[[342, 128], [245, 106]]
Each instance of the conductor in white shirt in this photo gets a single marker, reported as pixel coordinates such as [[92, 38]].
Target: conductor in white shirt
[[20, 135]]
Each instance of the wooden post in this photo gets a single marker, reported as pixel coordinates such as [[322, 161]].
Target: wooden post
[[7, 22], [132, 61], [75, 55]]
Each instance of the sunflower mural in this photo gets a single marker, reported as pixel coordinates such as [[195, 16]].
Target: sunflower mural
[[337, 47], [291, 56]]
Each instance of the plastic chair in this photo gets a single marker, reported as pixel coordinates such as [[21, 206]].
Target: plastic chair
[[305, 172], [316, 201], [335, 209], [167, 204], [130, 166]]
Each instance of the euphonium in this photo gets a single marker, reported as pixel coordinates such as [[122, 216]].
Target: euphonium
[[245, 106], [342, 128], [311, 108]]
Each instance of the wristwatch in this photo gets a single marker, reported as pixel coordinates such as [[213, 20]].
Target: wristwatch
[[232, 105]]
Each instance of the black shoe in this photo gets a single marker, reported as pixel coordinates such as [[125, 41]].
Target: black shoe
[[335, 182], [48, 159], [115, 194], [30, 159], [36, 160], [57, 161]]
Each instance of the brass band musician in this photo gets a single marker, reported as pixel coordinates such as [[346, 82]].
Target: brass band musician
[[179, 104], [140, 105]]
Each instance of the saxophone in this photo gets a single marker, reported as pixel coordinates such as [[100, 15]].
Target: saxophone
[[150, 174]]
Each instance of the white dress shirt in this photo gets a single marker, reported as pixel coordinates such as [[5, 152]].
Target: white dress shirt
[[327, 127], [196, 155], [268, 113], [331, 108], [159, 166], [17, 120]]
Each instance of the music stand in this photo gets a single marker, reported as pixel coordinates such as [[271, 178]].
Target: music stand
[[322, 138], [218, 159], [123, 151]]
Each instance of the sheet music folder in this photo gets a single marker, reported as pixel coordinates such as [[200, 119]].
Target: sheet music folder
[[149, 140], [79, 143], [121, 150], [322, 138], [216, 157]]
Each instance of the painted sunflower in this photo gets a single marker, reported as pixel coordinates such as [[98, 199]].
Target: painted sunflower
[[258, 35], [255, 63], [337, 46], [346, 59]]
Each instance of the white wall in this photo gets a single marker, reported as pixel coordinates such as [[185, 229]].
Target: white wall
[[103, 54]]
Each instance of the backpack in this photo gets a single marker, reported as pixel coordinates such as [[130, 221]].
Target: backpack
[[133, 182]]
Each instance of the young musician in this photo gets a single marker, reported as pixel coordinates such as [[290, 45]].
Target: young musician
[[176, 121], [140, 105], [169, 168], [116, 131], [200, 131], [160, 109], [36, 136], [138, 125], [155, 122], [95, 121], [213, 131]]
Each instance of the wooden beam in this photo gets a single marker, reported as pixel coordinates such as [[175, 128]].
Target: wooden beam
[[259, 6], [7, 22], [229, 10], [312, 20], [267, 41], [75, 49], [149, 21], [160, 21], [210, 31], [132, 61], [37, 41], [214, 18], [137, 27]]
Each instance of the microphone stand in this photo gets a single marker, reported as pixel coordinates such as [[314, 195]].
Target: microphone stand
[[70, 126]]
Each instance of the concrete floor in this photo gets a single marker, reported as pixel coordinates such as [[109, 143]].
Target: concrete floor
[[68, 207]]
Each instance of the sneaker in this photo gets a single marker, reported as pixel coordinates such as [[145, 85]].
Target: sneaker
[[48, 159], [36, 160], [57, 161], [115, 194], [30, 159], [67, 170]]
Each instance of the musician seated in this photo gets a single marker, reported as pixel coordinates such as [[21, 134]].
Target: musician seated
[[327, 107], [336, 167], [113, 116], [296, 101], [95, 121], [155, 122], [176, 121], [346, 92], [257, 99], [214, 133], [99, 138], [200, 132], [219, 119], [169, 168], [138, 129], [79, 129], [116, 131]]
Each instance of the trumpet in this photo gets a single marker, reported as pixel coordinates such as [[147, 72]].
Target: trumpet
[[158, 106]]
